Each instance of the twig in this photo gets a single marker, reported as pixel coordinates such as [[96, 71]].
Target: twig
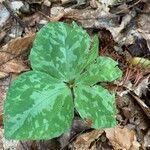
[[13, 14]]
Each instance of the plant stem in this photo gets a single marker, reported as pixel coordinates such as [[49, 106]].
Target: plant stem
[[73, 97], [72, 93]]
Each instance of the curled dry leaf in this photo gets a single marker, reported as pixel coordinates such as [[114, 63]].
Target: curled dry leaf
[[84, 141], [147, 140], [145, 108], [136, 114], [10, 55], [122, 138], [144, 24]]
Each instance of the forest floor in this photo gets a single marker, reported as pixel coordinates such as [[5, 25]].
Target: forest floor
[[123, 28]]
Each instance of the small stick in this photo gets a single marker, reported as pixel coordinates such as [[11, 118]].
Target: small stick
[[13, 14]]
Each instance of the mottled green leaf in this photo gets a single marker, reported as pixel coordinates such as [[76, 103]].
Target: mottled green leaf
[[93, 52], [59, 49], [37, 107], [105, 69], [39, 104], [96, 104]]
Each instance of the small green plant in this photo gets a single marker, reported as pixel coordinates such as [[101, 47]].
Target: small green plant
[[66, 67]]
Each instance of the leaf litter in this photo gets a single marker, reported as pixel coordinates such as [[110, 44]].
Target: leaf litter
[[127, 23]]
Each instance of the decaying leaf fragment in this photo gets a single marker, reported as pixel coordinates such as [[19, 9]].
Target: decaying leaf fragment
[[100, 18], [145, 108], [19, 45], [122, 138], [140, 62], [10, 55], [144, 24], [147, 140], [84, 141]]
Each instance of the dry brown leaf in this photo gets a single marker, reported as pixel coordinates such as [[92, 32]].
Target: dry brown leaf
[[122, 138], [84, 141], [9, 55], [12, 66], [19, 45], [15, 66]]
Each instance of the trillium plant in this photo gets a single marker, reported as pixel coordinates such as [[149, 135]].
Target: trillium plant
[[40, 104]]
